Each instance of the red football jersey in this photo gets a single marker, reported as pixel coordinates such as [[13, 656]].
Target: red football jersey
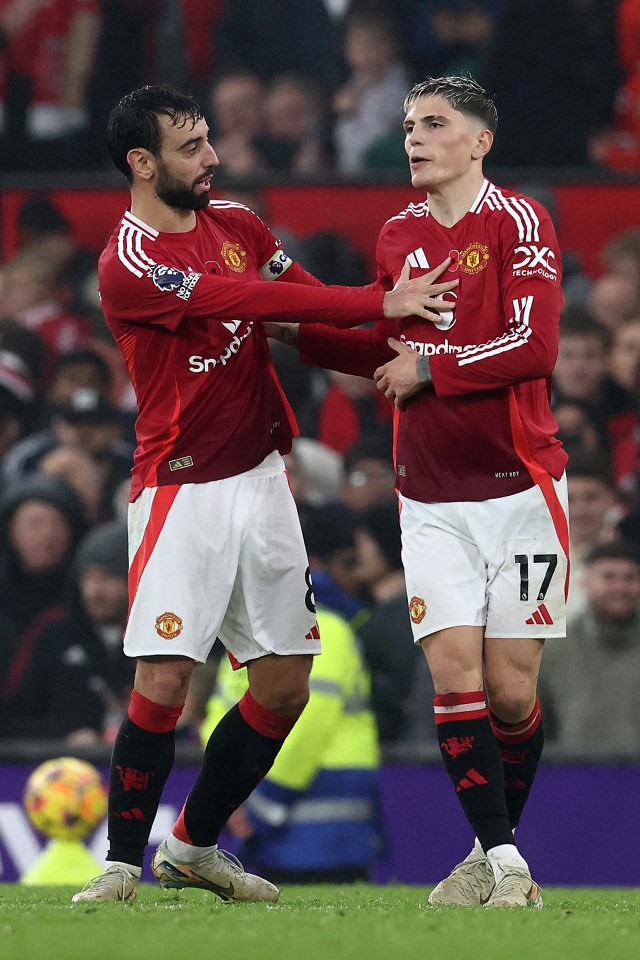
[[485, 428], [184, 309]]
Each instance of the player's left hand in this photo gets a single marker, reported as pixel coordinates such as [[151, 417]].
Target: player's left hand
[[398, 378]]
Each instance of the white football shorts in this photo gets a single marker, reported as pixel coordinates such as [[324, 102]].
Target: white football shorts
[[220, 559], [500, 564]]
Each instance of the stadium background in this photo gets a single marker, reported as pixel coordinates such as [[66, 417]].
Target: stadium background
[[576, 798]]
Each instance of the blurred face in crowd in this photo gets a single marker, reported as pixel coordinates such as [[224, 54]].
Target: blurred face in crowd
[[590, 502], [28, 282], [40, 535], [237, 104], [613, 298], [291, 112], [581, 366], [81, 472], [624, 361], [621, 256], [82, 375], [576, 429], [104, 596], [94, 438], [342, 566], [612, 587], [370, 481], [369, 50]]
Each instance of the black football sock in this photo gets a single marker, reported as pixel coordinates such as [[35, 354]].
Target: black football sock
[[472, 759], [142, 759], [240, 751], [521, 747]]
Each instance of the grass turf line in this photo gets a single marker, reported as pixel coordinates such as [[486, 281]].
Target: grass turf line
[[358, 922]]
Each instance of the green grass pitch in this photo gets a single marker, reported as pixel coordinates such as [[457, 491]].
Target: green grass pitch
[[316, 923]]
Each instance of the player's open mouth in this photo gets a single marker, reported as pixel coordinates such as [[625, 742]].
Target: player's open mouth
[[205, 182], [417, 161]]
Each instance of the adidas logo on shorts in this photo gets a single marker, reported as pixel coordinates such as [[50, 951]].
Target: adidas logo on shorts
[[540, 615]]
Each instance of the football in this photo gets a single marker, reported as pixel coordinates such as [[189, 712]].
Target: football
[[65, 798]]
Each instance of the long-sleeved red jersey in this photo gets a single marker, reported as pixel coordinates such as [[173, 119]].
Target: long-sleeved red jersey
[[485, 428], [184, 309]]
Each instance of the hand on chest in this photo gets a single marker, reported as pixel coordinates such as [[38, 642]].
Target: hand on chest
[[476, 312]]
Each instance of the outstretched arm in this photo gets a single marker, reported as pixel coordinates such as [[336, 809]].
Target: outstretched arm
[[358, 352]]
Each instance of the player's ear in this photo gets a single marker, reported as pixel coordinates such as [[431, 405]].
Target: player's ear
[[142, 162], [483, 144]]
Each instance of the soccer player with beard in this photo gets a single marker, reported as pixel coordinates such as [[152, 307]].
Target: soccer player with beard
[[480, 475], [214, 539]]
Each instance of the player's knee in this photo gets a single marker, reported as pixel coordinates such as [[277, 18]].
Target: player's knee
[[289, 699], [294, 701], [454, 676], [512, 703], [165, 683], [281, 684]]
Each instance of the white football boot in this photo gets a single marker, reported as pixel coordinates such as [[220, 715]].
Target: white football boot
[[469, 884], [116, 883], [515, 888], [216, 871]]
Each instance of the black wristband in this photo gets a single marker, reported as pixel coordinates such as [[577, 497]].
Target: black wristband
[[423, 369]]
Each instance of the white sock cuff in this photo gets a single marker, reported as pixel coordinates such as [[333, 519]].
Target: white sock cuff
[[186, 851], [506, 856]]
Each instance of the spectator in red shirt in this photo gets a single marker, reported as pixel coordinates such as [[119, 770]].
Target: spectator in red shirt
[[34, 296], [51, 45]]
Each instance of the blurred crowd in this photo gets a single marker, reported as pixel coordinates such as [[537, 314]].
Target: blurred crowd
[[315, 86], [301, 87]]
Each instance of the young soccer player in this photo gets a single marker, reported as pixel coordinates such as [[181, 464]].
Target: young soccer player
[[480, 474]]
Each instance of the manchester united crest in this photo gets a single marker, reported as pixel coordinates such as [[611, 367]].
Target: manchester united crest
[[168, 625], [474, 258], [417, 609], [234, 255]]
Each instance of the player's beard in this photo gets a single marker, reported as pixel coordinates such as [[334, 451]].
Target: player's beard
[[178, 194]]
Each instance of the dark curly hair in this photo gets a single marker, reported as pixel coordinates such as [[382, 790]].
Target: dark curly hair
[[133, 122]]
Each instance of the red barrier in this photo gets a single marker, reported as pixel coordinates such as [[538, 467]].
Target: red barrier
[[587, 215]]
